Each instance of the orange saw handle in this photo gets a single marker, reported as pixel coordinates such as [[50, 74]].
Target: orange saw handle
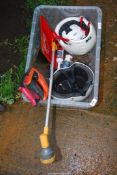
[[34, 73]]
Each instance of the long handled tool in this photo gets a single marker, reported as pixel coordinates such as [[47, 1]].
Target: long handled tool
[[47, 154]]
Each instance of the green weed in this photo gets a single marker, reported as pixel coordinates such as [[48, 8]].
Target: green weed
[[31, 4], [10, 81], [7, 87]]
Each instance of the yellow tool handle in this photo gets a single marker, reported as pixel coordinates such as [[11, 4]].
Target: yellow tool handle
[[54, 46], [44, 138]]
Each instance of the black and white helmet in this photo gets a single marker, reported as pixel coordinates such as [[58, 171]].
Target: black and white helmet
[[73, 83], [80, 33]]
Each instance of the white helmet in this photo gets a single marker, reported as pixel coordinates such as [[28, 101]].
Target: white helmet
[[80, 33]]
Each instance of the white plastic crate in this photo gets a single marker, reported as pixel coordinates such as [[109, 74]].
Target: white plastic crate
[[53, 15]]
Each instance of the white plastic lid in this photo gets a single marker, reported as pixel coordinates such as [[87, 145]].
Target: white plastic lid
[[68, 58]]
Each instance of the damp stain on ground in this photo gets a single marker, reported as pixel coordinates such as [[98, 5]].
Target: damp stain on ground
[[85, 141]]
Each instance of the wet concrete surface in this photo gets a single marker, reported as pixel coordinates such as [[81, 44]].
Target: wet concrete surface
[[85, 141]]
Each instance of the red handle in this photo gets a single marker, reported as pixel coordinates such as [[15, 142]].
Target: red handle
[[60, 37]]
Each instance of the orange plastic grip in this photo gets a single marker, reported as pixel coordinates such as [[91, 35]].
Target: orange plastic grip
[[41, 81], [44, 85]]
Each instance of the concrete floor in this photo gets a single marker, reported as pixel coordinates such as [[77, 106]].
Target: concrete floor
[[85, 142]]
